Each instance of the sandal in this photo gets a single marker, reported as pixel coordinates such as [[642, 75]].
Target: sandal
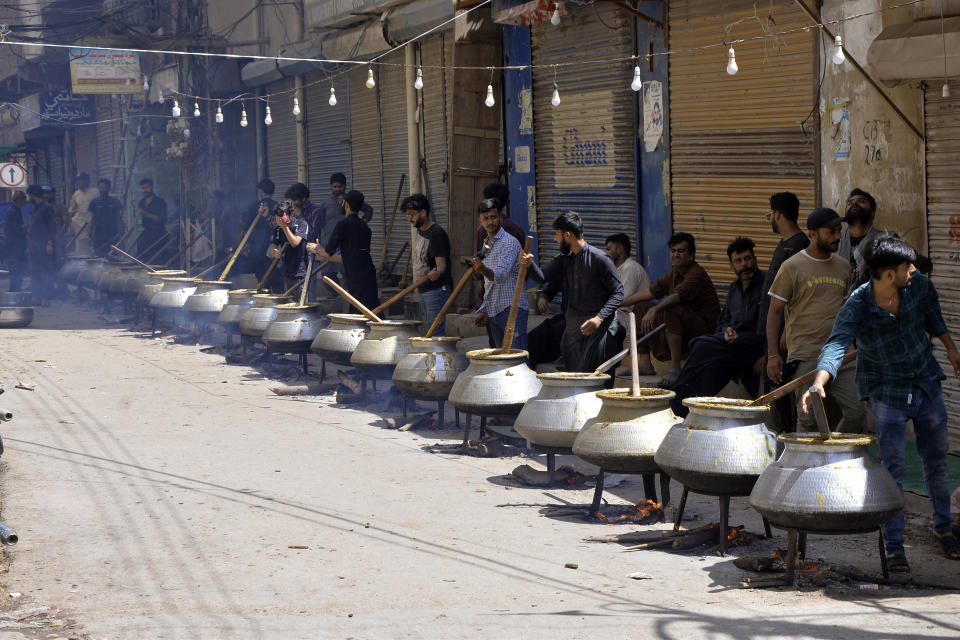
[[669, 379], [948, 544], [897, 562]]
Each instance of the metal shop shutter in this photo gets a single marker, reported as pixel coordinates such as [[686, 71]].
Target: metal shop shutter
[[328, 133], [736, 140], [85, 146], [437, 96], [282, 137], [942, 117], [391, 83], [367, 171], [585, 146]]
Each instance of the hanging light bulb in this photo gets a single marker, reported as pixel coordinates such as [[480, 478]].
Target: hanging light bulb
[[945, 92], [637, 83], [243, 116], [175, 112], [371, 83], [219, 116], [146, 83], [268, 119], [333, 97], [555, 100], [489, 101], [296, 107], [418, 83], [838, 57], [555, 18], [732, 67], [196, 109]]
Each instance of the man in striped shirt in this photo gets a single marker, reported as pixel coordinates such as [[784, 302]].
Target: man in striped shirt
[[500, 270]]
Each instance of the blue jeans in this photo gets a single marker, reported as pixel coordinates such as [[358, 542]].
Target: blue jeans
[[432, 302], [929, 417], [497, 324]]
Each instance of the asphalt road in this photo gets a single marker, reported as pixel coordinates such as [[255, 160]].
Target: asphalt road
[[161, 493]]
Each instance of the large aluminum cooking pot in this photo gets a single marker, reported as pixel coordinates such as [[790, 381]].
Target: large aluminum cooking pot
[[387, 342], [431, 367], [257, 318], [337, 341], [173, 293], [15, 298], [153, 281], [565, 402], [294, 328], [115, 282], [72, 266], [15, 317], [495, 383], [207, 301], [238, 301], [625, 435], [720, 449], [103, 278], [90, 272], [826, 486]]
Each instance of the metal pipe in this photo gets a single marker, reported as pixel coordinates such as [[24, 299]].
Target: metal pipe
[[8, 536]]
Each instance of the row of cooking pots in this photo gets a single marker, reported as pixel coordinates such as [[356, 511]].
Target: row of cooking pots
[[15, 309], [723, 447]]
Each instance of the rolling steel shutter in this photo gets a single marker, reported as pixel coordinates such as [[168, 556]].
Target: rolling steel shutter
[[393, 127], [367, 172], [736, 140], [282, 138], [437, 96], [943, 226], [585, 146], [328, 133]]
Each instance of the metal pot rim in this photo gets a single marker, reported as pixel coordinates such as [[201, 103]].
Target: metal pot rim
[[270, 296], [725, 407], [179, 279], [348, 317], [497, 355], [814, 439], [394, 323], [438, 339], [647, 395], [295, 306], [224, 284], [569, 376], [241, 292]]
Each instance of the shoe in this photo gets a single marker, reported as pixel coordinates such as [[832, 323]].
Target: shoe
[[897, 562], [669, 379], [948, 544]]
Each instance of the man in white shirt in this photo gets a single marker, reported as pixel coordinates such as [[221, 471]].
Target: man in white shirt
[[632, 275], [79, 211]]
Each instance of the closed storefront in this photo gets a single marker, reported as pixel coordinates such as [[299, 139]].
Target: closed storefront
[[943, 227], [85, 143], [737, 139], [282, 137], [437, 95], [393, 128], [367, 171], [328, 133], [109, 132], [584, 147]]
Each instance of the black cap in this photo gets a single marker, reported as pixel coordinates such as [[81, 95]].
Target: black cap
[[355, 200], [823, 217]]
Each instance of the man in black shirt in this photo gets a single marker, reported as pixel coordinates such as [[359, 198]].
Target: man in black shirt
[[105, 218], [592, 292], [735, 350], [15, 240], [351, 237], [292, 230], [431, 257], [41, 234], [153, 217]]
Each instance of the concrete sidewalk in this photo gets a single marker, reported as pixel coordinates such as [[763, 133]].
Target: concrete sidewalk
[[161, 493]]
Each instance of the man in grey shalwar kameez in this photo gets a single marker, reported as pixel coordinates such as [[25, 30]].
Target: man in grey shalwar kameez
[[592, 292]]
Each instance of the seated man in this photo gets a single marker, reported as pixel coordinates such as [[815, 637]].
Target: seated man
[[735, 350], [690, 309]]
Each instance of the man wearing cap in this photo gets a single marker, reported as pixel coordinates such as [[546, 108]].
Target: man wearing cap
[[79, 211], [351, 238], [808, 291]]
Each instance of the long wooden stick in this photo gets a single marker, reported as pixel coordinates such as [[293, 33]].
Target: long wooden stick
[[634, 363], [130, 257], [449, 303], [346, 294], [236, 252], [796, 383], [156, 243], [170, 239], [317, 269], [306, 280], [515, 305], [422, 281], [623, 354], [76, 235], [393, 217], [273, 265], [118, 242], [183, 250]]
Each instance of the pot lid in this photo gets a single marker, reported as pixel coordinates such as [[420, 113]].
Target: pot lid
[[725, 407], [835, 440], [223, 284], [348, 317], [647, 395], [293, 306], [394, 323], [497, 354], [179, 279], [573, 376], [436, 340]]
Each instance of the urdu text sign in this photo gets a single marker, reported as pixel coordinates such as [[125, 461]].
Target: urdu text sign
[[104, 71]]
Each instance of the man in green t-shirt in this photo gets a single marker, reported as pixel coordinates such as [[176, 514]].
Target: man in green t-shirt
[[810, 289]]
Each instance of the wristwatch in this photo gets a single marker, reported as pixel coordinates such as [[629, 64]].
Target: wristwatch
[[813, 389]]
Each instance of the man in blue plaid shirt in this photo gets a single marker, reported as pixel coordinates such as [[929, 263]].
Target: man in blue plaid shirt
[[891, 318], [500, 270]]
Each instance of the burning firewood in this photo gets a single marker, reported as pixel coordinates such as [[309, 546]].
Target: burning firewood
[[644, 512]]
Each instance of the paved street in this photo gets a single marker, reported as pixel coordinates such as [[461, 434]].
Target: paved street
[[161, 493]]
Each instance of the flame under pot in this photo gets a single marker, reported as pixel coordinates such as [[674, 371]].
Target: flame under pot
[[720, 449], [625, 435], [826, 486], [495, 383], [431, 367]]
